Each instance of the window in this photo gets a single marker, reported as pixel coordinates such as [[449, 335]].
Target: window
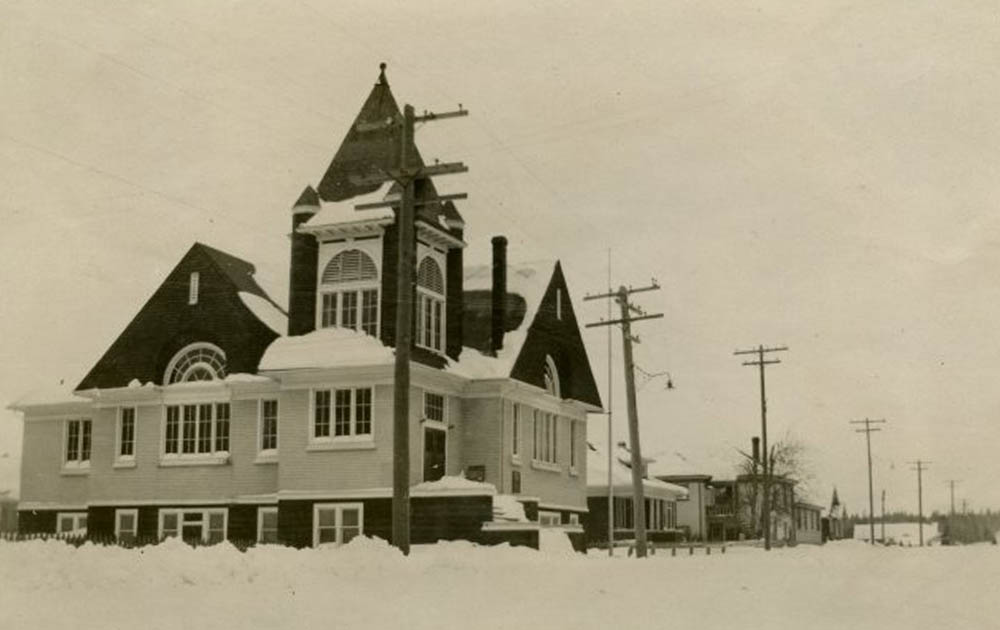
[[572, 444], [193, 288], [126, 525], [194, 525], [515, 431], [268, 425], [574, 518], [197, 429], [430, 305], [77, 444], [515, 482], [558, 303], [72, 524], [349, 409], [433, 407], [551, 377], [337, 523], [624, 513], [545, 437], [349, 290], [549, 519], [267, 525], [126, 433], [196, 362]]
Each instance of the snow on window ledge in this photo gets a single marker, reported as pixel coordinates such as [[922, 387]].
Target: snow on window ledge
[[573, 472], [217, 459], [540, 465], [75, 468], [342, 444], [515, 459], [124, 463]]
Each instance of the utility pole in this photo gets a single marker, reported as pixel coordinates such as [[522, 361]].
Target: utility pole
[[868, 430], [951, 483], [921, 466], [631, 313], [761, 362], [405, 175], [883, 516]]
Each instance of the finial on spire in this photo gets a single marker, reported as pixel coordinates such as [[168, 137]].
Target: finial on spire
[[381, 74]]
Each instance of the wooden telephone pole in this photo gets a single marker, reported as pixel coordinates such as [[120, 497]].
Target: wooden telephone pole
[[868, 430], [920, 467], [631, 313], [951, 483], [883, 517], [761, 362], [405, 175]]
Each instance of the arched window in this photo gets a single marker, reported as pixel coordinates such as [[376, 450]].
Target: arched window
[[430, 305], [349, 292], [196, 362], [551, 376]]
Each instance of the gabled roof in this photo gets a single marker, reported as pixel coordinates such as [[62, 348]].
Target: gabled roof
[[621, 478]]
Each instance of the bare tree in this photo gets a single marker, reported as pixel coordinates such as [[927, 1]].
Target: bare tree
[[788, 460]]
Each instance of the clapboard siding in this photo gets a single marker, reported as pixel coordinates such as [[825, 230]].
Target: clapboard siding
[[562, 487]]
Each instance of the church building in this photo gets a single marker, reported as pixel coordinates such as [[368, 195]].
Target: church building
[[219, 414]]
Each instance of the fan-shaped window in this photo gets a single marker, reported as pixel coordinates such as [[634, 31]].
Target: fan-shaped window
[[551, 376], [196, 362], [352, 265], [349, 292], [430, 305], [429, 276]]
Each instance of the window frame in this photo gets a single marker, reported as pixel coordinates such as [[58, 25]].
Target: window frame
[[515, 432], [443, 422], [79, 463], [352, 435], [545, 431], [76, 516], [213, 455], [549, 518], [219, 372], [357, 288], [267, 509], [550, 377], [121, 458], [272, 452], [206, 516], [134, 513], [339, 509], [434, 336], [194, 280]]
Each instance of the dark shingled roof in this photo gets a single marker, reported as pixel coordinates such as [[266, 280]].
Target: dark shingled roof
[[368, 152], [239, 271], [309, 197]]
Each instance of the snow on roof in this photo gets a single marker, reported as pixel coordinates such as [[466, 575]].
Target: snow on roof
[[264, 310], [325, 348], [340, 212], [529, 280], [677, 464], [454, 484], [621, 476], [44, 396]]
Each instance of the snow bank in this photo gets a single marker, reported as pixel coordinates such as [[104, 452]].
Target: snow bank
[[507, 508], [325, 348], [367, 584], [453, 484]]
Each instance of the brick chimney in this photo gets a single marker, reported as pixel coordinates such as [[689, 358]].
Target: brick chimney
[[756, 451], [498, 323], [302, 267]]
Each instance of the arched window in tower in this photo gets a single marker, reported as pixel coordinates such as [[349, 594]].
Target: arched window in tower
[[551, 376], [196, 362], [430, 305], [349, 292]]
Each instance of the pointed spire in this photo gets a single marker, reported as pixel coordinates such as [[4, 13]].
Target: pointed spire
[[309, 197], [381, 75]]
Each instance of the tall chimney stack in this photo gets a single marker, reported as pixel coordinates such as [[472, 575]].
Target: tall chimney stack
[[498, 323], [302, 267], [756, 451]]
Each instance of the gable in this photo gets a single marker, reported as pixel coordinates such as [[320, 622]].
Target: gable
[[167, 322], [560, 338]]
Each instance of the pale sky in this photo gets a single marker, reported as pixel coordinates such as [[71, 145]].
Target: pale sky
[[821, 175]]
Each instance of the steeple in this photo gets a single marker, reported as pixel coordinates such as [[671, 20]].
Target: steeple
[[362, 152]]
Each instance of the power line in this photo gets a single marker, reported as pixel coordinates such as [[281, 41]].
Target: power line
[[920, 467], [868, 430]]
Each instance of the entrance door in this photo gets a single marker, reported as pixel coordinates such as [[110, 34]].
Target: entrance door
[[434, 453]]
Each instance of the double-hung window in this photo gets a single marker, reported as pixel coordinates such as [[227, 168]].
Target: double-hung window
[[126, 525], [545, 443], [515, 431], [268, 427], [194, 430], [337, 523], [267, 525], [77, 444], [349, 292], [434, 407], [342, 414], [430, 305], [125, 449]]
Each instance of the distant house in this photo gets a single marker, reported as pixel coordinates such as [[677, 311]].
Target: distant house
[[8, 512], [220, 414], [661, 500], [834, 523], [692, 510], [808, 523]]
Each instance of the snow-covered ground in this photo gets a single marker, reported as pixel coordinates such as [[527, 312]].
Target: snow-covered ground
[[455, 585]]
